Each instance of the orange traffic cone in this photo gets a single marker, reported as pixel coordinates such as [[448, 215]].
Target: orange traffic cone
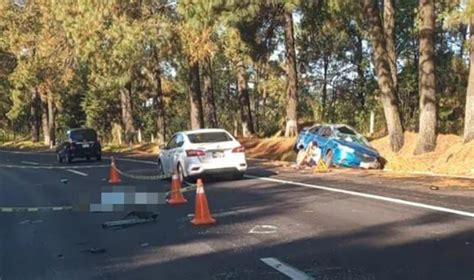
[[114, 177], [176, 196], [202, 216]]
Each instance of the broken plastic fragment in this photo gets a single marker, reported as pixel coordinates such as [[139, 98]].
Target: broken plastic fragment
[[94, 250]]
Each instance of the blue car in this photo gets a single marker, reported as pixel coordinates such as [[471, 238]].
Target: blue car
[[340, 145]]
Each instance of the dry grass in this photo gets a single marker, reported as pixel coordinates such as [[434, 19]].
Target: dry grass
[[276, 148], [138, 149], [24, 144], [450, 157]]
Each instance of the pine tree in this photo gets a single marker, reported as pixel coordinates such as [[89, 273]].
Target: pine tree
[[426, 141]]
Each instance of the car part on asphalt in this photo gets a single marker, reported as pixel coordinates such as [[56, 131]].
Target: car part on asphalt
[[94, 251], [140, 218]]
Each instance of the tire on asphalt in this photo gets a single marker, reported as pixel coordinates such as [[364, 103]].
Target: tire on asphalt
[[238, 176], [329, 158], [59, 158], [159, 166], [68, 157], [180, 171]]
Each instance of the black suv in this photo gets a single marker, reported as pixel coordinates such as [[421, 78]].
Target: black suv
[[79, 143]]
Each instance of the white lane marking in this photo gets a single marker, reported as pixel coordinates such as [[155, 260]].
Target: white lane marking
[[371, 196], [52, 166], [30, 162], [263, 229], [25, 152], [77, 172], [289, 271]]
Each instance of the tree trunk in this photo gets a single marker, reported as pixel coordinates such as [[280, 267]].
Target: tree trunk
[[210, 105], [426, 141], [389, 29], [45, 124], [35, 116], [292, 90], [117, 134], [194, 92], [359, 59], [244, 100], [469, 116], [51, 120], [463, 32], [256, 100], [160, 102], [382, 67], [325, 87], [127, 116]]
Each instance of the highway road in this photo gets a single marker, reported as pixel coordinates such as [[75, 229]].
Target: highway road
[[274, 224]]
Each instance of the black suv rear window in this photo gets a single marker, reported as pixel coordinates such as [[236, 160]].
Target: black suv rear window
[[209, 137], [81, 135]]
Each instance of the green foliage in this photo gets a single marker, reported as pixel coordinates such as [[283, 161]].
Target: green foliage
[[84, 52]]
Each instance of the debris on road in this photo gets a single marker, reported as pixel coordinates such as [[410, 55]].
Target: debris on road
[[64, 180], [434, 188], [141, 218], [263, 229], [145, 244], [94, 251], [24, 222], [60, 256]]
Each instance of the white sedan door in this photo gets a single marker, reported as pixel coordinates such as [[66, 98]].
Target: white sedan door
[[166, 155]]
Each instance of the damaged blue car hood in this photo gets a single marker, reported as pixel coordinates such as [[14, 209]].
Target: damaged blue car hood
[[358, 147]]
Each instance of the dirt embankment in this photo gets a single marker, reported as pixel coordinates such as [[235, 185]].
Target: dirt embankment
[[276, 148], [450, 157]]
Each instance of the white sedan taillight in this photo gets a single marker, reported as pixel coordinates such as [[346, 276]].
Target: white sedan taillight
[[240, 149], [195, 153]]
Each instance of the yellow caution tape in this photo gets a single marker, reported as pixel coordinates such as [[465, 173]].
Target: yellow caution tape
[[143, 177]]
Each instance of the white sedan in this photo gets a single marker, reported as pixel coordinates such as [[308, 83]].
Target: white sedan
[[192, 154]]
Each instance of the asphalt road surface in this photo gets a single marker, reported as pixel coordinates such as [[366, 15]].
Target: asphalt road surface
[[275, 224]]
